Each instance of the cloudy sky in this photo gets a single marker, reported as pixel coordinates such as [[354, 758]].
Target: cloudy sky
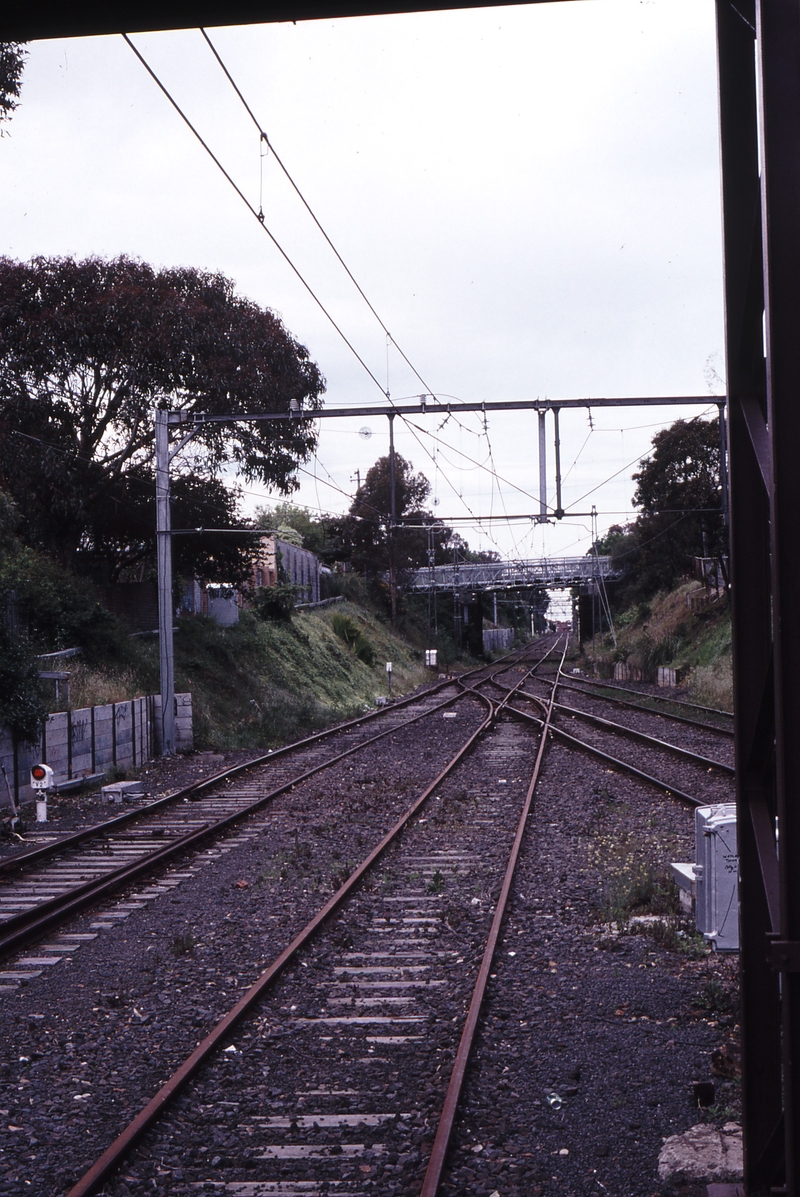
[[529, 197]]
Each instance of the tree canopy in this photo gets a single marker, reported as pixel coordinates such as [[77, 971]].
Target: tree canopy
[[87, 350], [678, 494], [322, 534], [12, 61], [375, 545]]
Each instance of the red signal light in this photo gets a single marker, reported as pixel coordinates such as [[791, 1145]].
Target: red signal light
[[39, 772]]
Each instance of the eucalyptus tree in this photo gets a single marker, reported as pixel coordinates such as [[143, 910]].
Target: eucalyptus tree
[[88, 349]]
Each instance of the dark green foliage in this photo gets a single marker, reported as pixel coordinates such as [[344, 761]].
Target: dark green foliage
[[87, 350], [238, 709], [375, 546], [120, 535], [678, 495], [58, 611], [348, 630], [324, 535], [274, 603], [640, 890], [22, 707], [12, 61]]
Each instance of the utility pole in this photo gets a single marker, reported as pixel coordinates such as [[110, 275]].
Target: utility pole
[[392, 522], [559, 512], [164, 548], [542, 468], [357, 479]]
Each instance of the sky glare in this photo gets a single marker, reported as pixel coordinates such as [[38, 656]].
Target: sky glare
[[529, 197]]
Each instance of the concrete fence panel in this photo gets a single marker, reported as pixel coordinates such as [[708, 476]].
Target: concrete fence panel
[[89, 742]]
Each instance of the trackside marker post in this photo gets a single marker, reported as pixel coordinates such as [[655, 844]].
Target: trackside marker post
[[41, 782]]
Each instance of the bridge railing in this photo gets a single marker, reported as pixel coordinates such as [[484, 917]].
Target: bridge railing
[[553, 572]]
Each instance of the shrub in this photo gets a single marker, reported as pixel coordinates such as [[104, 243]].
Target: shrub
[[59, 610], [348, 630], [275, 604], [21, 707]]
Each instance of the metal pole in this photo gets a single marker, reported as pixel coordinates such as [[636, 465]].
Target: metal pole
[[751, 599], [164, 547], [723, 466], [392, 497], [778, 24], [542, 468], [559, 509], [393, 520]]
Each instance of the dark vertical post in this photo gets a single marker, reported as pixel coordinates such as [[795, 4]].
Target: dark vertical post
[[559, 513], [69, 744], [15, 748], [114, 734], [165, 614], [392, 497], [542, 467], [751, 495], [779, 44], [392, 522], [723, 467]]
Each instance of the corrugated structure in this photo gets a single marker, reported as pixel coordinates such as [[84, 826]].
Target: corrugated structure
[[80, 743], [301, 566], [496, 639]]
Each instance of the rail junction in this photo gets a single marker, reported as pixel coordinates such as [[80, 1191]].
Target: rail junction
[[356, 1038]]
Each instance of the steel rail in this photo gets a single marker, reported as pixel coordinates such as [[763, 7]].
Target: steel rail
[[13, 863], [27, 925], [638, 706], [673, 791], [633, 733], [677, 702], [644, 738], [433, 1174], [112, 1157]]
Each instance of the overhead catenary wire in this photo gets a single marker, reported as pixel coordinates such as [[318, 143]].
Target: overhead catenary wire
[[259, 217], [264, 137], [252, 210]]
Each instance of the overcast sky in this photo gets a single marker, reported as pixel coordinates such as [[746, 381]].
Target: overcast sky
[[529, 197]]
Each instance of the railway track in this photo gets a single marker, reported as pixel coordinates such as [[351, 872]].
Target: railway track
[[41, 888], [648, 756], [373, 993], [340, 1069]]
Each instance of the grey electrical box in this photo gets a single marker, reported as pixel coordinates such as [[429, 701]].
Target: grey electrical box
[[711, 884], [717, 875]]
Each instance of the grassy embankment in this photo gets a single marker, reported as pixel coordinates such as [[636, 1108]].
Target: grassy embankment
[[666, 632], [259, 684]]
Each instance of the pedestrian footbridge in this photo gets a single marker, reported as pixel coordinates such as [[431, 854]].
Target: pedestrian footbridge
[[546, 573]]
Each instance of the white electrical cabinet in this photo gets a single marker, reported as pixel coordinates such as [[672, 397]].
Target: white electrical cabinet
[[716, 874], [711, 884]]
